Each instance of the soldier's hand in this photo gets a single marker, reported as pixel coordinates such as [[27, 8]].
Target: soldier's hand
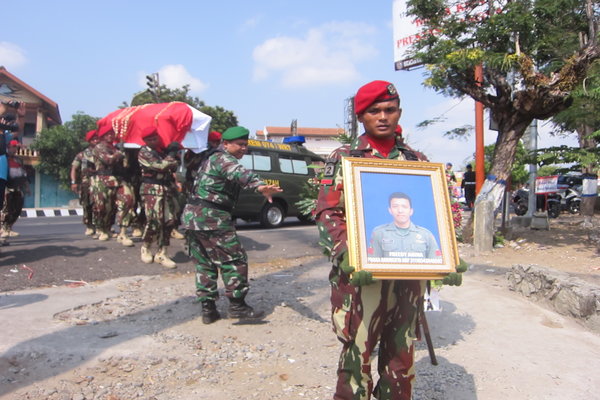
[[452, 279], [268, 191], [172, 149], [455, 278], [344, 264], [362, 278]]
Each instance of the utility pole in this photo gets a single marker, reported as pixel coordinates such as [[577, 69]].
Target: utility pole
[[294, 127], [532, 148], [350, 123]]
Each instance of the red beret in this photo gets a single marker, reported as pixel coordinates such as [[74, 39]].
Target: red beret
[[373, 92], [104, 129], [214, 136], [90, 135], [398, 130], [13, 143], [148, 131]]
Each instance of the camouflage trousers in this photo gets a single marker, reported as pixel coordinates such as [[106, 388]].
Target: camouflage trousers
[[11, 210], [86, 201], [125, 202], [383, 313], [214, 251], [104, 205], [161, 214]]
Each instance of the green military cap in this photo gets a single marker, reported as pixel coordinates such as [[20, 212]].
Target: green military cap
[[237, 132]]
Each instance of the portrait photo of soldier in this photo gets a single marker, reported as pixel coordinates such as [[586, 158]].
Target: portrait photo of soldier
[[402, 238]]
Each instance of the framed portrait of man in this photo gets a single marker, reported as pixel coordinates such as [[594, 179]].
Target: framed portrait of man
[[399, 219]]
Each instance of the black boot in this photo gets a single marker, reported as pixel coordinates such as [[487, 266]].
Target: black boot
[[209, 312], [239, 309]]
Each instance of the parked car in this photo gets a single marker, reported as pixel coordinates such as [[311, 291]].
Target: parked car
[[284, 164]]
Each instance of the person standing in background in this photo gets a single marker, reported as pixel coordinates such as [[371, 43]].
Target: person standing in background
[[468, 186], [82, 171], [16, 188]]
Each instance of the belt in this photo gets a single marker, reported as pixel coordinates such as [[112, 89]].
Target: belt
[[209, 204]]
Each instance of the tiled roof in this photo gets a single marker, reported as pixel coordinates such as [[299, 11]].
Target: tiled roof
[[287, 131], [52, 107]]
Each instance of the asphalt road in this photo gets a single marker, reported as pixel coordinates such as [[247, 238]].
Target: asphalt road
[[53, 251]]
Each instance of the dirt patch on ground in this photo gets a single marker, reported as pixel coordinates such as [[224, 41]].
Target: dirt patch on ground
[[567, 246]]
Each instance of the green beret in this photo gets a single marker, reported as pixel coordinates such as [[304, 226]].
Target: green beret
[[237, 132]]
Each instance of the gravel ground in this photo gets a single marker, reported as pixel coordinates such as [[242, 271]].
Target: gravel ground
[[148, 342]]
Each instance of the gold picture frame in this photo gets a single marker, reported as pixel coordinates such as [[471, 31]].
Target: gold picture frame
[[380, 196]]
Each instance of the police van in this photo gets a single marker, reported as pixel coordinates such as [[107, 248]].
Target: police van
[[283, 164]]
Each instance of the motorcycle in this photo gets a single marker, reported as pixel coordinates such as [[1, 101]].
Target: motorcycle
[[568, 200], [520, 201]]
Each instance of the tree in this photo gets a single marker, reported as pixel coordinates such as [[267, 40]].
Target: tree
[[518, 172], [221, 118], [58, 146], [531, 56]]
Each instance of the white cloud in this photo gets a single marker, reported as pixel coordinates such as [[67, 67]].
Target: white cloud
[[250, 23], [176, 76], [11, 55], [325, 55]]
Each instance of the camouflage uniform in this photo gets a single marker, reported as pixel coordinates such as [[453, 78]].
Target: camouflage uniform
[[125, 200], [384, 312], [105, 184], [388, 239], [85, 170], [157, 191], [14, 196], [210, 230]]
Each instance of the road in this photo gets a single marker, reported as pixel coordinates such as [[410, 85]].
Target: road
[[52, 250]]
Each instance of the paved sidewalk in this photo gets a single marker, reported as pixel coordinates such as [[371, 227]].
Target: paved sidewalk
[[491, 343]]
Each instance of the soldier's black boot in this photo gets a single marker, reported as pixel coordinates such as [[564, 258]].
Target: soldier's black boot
[[209, 312], [239, 309]]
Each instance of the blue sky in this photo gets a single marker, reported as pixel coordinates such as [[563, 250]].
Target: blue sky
[[268, 61]]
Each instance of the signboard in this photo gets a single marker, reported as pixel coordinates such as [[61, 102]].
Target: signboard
[[546, 184], [408, 30]]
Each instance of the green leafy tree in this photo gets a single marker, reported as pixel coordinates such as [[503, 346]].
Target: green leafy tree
[[583, 118], [530, 52], [221, 118], [518, 171], [58, 146]]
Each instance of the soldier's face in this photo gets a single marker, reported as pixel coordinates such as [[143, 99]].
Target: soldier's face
[[109, 137], [152, 141], [381, 119], [236, 148], [401, 211]]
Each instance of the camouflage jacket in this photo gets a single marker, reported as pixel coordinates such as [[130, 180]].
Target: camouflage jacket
[[330, 211], [219, 182], [157, 172], [84, 165], [105, 157]]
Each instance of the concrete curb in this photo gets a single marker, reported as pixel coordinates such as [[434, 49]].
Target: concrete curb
[[50, 212]]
